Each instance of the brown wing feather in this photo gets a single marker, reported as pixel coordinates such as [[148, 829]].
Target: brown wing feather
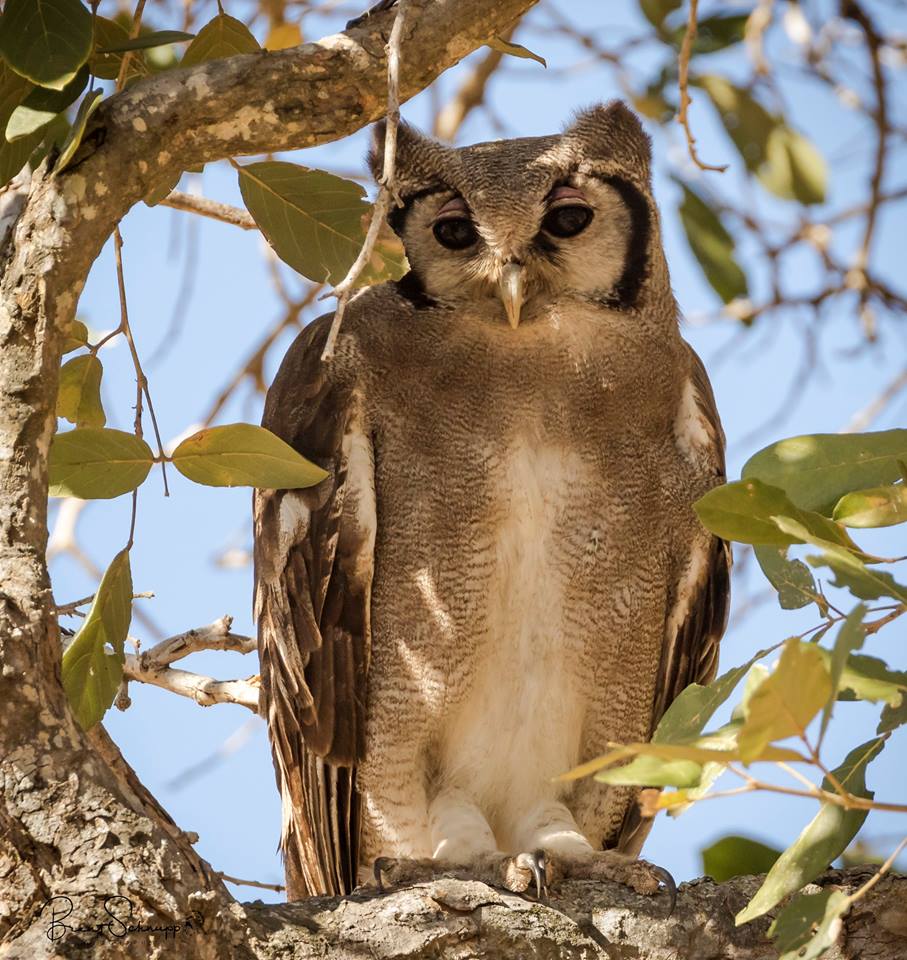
[[313, 571], [690, 651]]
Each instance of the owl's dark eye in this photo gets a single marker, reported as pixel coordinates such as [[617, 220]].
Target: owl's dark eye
[[455, 233], [567, 221]]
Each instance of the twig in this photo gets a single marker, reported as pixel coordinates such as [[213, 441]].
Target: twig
[[754, 34], [133, 33], [864, 418], [216, 636], [683, 65], [140, 379], [70, 609], [387, 191], [877, 876], [470, 95], [205, 691], [852, 10], [209, 208], [276, 887]]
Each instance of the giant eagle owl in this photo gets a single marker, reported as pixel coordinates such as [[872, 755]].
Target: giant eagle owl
[[503, 571]]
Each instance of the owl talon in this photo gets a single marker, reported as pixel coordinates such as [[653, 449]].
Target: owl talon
[[669, 884], [537, 866]]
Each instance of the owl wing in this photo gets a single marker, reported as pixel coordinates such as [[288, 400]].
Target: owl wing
[[698, 602], [314, 553]]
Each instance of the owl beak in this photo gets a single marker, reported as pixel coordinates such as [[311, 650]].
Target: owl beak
[[512, 292]]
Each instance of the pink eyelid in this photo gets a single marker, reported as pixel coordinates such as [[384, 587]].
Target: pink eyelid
[[456, 205], [566, 193]]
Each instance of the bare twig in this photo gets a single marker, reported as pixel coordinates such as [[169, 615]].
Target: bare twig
[[470, 95], [863, 419], [205, 691], [141, 380], [209, 208], [387, 191], [877, 876], [216, 636], [276, 887], [133, 33], [852, 10], [683, 65], [71, 609]]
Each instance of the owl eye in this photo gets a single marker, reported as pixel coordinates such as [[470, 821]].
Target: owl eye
[[567, 221], [455, 233]]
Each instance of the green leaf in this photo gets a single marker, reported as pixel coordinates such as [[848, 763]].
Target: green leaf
[[106, 66], [745, 510], [692, 709], [144, 41], [850, 637], [786, 163], [652, 771], [97, 464], [785, 703], [86, 108], [864, 582], [712, 246], [893, 717], [737, 857], [655, 11], [791, 578], [91, 675], [13, 156], [875, 507], [868, 678], [312, 219], [811, 920], [163, 190], [816, 470], [822, 841], [713, 33], [40, 107], [515, 50], [45, 41], [79, 394], [224, 36], [75, 336], [242, 455], [794, 168]]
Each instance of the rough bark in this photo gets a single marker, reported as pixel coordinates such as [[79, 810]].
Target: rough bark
[[75, 822]]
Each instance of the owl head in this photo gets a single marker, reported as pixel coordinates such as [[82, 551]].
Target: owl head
[[522, 222]]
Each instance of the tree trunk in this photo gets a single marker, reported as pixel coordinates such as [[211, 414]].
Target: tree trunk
[[85, 851]]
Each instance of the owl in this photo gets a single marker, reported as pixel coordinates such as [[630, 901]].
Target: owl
[[503, 573]]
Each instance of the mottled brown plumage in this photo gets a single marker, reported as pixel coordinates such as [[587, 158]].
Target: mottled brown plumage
[[504, 571]]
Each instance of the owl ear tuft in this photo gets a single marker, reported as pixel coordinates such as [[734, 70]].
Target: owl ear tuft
[[418, 159], [612, 132]]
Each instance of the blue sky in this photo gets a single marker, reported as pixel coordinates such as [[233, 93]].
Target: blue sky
[[230, 303]]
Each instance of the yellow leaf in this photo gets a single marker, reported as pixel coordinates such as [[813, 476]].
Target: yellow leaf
[[786, 702], [283, 36]]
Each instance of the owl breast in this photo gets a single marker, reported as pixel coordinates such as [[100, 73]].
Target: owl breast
[[521, 724]]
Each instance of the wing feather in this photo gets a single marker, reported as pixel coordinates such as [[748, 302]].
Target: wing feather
[[313, 572], [698, 602]]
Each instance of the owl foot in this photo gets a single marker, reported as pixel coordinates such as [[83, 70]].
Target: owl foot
[[639, 875], [515, 873]]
